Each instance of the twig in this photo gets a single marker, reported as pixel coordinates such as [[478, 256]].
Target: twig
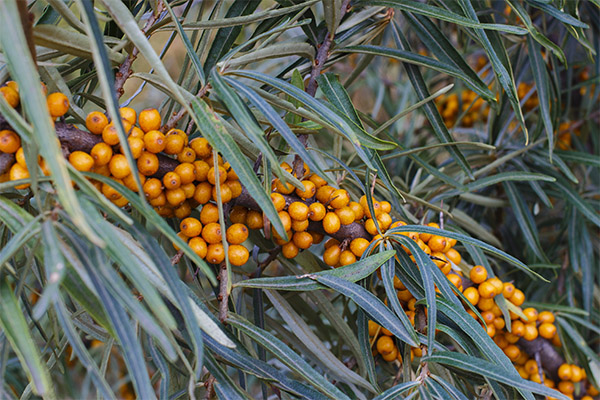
[[172, 122], [177, 257], [273, 253], [223, 295], [209, 385], [125, 70]]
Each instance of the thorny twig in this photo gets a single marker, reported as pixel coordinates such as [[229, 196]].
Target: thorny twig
[[223, 295]]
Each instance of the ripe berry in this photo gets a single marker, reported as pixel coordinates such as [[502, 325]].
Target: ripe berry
[[10, 95], [215, 253], [565, 372], [284, 188], [214, 174], [317, 237], [238, 255], [189, 189], [290, 250], [497, 284], [546, 316], [16, 172], [110, 192], [149, 120], [237, 234], [130, 183], [110, 134], [512, 352], [81, 161], [339, 198], [119, 167], [9, 141], [576, 373], [517, 298], [324, 193], [385, 220], [171, 180], [358, 246], [302, 240], [155, 141], [331, 223], [487, 290], [508, 289], [136, 146], [386, 207], [531, 314], [175, 196], [147, 163], [212, 233], [254, 219], [385, 345], [331, 255], [278, 201], [298, 211], [347, 258], [346, 215], [58, 104], [191, 227], [198, 246], [299, 226], [128, 114], [566, 387], [453, 256], [174, 144], [437, 243], [187, 155], [316, 211], [159, 201], [201, 146], [238, 215], [309, 190], [547, 330], [201, 169], [152, 188], [359, 213], [286, 220], [478, 274], [209, 213], [203, 192], [371, 227], [95, 122]]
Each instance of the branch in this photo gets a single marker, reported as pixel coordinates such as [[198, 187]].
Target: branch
[[223, 295], [172, 122], [6, 161], [550, 358]]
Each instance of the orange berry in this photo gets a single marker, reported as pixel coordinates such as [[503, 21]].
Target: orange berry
[[472, 295], [211, 233], [155, 141], [128, 114], [186, 172], [347, 257], [359, 213], [499, 323], [517, 298], [298, 211], [81, 161], [238, 215], [566, 387], [110, 192], [209, 213], [371, 227], [220, 172], [565, 372], [159, 201], [198, 246], [278, 201], [478, 274], [9, 141], [508, 289], [331, 255], [497, 283], [453, 256], [324, 193], [302, 240], [358, 246], [576, 374], [286, 220], [437, 243], [546, 316], [201, 169], [289, 250], [385, 221], [339, 198], [518, 328], [58, 104], [485, 304], [174, 144], [385, 345], [175, 196], [531, 332], [299, 226], [149, 120], [283, 188], [309, 190], [147, 163], [531, 314], [16, 172], [386, 207], [136, 133], [203, 192], [215, 253], [201, 146], [136, 145], [316, 211], [317, 180], [119, 167], [152, 188], [187, 155], [237, 234], [190, 227], [547, 330], [131, 184], [11, 96], [189, 190], [238, 255], [331, 223], [254, 219], [512, 352]]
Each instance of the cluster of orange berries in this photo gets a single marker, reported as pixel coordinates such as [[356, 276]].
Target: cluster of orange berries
[[10, 142]]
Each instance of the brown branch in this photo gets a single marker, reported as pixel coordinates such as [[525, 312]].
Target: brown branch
[[223, 295], [172, 122], [125, 70], [209, 384], [550, 358], [6, 161]]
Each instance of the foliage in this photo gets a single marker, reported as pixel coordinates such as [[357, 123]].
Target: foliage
[[482, 116]]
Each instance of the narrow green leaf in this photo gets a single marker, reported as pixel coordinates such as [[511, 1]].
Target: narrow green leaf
[[507, 177], [395, 391]]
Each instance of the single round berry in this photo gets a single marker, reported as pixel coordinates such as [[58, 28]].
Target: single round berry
[[215, 253], [472, 295], [10, 95], [131, 184], [119, 167], [478, 274], [58, 104], [209, 213], [487, 290], [237, 234], [16, 172], [385, 345], [9, 141], [254, 219], [81, 161], [191, 227], [219, 174], [212, 233], [517, 298], [174, 144], [346, 215], [331, 223], [155, 141], [203, 192], [149, 119], [324, 193], [316, 211], [547, 330], [95, 122], [339, 198], [331, 255], [175, 196], [152, 188], [187, 155], [309, 190], [358, 246], [298, 211], [546, 316], [147, 163], [198, 246], [238, 255], [289, 250], [201, 146], [347, 258], [278, 201], [565, 372], [302, 240]]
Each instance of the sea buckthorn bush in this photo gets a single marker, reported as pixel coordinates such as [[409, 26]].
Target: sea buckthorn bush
[[309, 199]]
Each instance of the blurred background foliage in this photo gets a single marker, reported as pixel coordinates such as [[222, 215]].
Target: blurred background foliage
[[514, 85]]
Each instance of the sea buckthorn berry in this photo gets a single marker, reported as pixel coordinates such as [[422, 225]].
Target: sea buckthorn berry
[[46, 170], [81, 161], [426, 236], [453, 256], [137, 133], [472, 295], [155, 141], [373, 328], [214, 174], [190, 227], [517, 298], [9, 141], [497, 284], [488, 317], [201, 146], [171, 180], [385, 221], [317, 180], [339, 198], [501, 341], [478, 274], [136, 145], [120, 202], [386, 207], [316, 211], [385, 345], [15, 86], [286, 220], [391, 356], [299, 226], [284, 188], [174, 144], [576, 374], [149, 120], [209, 213], [147, 163], [456, 281], [441, 261], [347, 258], [11, 96], [175, 196], [331, 255], [238, 255], [371, 227], [331, 223], [128, 114], [189, 189], [183, 211], [238, 215], [58, 104], [566, 387], [437, 243], [309, 190], [490, 330], [16, 172], [546, 316], [211, 233], [547, 330], [235, 187], [518, 328], [20, 157], [198, 246], [159, 201], [317, 237], [346, 215], [289, 250], [531, 314], [278, 201], [357, 209], [186, 172], [187, 155], [110, 135], [331, 242], [531, 332], [119, 167], [109, 192], [499, 323], [324, 193], [215, 253], [298, 211], [485, 304], [152, 188], [201, 169], [302, 240], [404, 295], [508, 289], [512, 352], [565, 372], [203, 192], [358, 246], [254, 219], [376, 208], [237, 234]]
